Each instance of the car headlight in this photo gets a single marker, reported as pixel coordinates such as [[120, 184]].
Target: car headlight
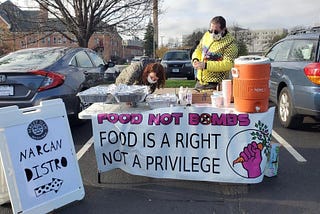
[[165, 65], [188, 64]]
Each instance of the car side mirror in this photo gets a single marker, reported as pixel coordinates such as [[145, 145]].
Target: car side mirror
[[106, 66], [111, 64]]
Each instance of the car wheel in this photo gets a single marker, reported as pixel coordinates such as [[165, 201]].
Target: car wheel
[[80, 107], [190, 77], [286, 114], [83, 106]]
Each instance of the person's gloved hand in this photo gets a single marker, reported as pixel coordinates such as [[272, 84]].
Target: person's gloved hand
[[198, 65]]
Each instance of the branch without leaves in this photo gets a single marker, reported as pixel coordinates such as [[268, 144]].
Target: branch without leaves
[[84, 17]]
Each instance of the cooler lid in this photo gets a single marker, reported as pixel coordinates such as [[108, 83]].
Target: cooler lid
[[252, 59]]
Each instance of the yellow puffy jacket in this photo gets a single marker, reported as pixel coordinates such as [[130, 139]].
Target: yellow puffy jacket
[[218, 56]]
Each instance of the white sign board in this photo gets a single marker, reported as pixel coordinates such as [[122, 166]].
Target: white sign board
[[39, 159], [191, 143]]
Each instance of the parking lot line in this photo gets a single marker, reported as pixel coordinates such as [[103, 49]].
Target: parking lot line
[[84, 148], [288, 147]]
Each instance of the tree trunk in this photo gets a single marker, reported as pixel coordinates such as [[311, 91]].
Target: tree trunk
[[83, 41]]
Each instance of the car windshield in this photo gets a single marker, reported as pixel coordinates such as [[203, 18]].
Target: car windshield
[[32, 59], [136, 59], [176, 56]]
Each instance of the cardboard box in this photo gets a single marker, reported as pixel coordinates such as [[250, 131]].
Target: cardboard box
[[201, 97]]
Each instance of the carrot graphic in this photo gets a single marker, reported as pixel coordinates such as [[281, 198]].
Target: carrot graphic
[[241, 160], [260, 146], [238, 160]]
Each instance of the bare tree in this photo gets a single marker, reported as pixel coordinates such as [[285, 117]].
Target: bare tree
[[82, 18], [196, 35]]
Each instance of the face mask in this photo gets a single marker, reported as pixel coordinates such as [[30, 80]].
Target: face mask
[[216, 35], [150, 80]]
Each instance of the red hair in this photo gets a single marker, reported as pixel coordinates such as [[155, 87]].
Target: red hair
[[160, 73]]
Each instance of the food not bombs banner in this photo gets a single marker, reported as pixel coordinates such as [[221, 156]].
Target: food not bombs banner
[[191, 143]]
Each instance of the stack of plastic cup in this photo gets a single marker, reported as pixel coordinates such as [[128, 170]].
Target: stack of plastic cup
[[226, 92], [216, 99]]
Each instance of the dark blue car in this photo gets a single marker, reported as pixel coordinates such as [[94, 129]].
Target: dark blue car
[[177, 63], [29, 76]]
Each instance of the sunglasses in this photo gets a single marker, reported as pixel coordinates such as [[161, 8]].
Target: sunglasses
[[215, 31]]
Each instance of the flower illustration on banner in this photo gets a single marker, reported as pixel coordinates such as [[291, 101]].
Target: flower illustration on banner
[[248, 162]]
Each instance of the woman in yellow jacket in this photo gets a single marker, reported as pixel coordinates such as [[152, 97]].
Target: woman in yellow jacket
[[214, 56]]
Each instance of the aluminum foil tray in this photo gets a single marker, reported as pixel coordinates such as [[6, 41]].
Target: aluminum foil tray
[[131, 93], [98, 94]]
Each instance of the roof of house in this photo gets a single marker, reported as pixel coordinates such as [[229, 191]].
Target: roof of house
[[19, 20]]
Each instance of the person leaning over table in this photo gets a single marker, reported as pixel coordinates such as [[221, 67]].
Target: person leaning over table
[[214, 56], [143, 73]]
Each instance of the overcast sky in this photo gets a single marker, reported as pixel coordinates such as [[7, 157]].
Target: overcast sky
[[182, 17]]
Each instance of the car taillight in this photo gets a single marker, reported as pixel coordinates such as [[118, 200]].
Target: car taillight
[[312, 71], [51, 79]]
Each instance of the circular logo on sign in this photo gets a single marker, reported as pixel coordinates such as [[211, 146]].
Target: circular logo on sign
[[38, 129], [245, 155]]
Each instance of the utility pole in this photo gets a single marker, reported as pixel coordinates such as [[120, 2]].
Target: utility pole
[[155, 27], [162, 41]]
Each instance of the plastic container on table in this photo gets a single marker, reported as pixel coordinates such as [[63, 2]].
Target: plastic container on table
[[162, 100]]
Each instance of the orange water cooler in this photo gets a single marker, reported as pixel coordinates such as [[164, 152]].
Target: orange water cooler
[[251, 75]]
